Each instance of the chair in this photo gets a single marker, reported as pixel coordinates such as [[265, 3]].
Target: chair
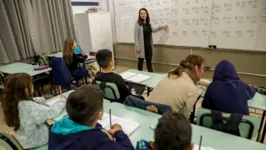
[[134, 101], [110, 91], [9, 142], [248, 127]]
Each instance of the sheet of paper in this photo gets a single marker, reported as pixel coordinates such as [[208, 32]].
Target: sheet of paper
[[126, 75], [129, 127], [196, 147], [138, 78], [51, 102]]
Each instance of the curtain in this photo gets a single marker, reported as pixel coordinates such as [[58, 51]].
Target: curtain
[[15, 39], [54, 23], [30, 27]]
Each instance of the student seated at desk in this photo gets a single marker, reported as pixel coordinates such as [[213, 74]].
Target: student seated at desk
[[178, 89], [80, 129], [227, 93], [27, 115], [173, 132], [105, 60], [72, 60]]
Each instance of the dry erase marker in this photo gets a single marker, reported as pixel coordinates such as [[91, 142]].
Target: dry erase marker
[[110, 117], [200, 142]]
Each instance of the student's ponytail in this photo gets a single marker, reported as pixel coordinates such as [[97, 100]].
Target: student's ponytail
[[184, 64], [188, 65]]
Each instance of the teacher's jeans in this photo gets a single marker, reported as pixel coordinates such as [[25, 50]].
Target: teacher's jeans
[[148, 58]]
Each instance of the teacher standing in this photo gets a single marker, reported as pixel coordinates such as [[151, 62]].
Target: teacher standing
[[143, 39]]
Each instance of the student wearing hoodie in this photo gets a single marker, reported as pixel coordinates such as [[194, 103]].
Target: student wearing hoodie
[[80, 130], [227, 93]]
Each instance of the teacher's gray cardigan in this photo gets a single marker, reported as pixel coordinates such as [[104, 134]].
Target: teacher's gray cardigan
[[139, 39]]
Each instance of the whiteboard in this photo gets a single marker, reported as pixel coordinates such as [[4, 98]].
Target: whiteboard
[[232, 24], [261, 38], [235, 23]]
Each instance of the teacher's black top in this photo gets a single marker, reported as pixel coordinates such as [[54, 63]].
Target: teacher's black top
[[147, 34]]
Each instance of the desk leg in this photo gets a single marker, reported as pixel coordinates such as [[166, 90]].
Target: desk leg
[[264, 129], [148, 91]]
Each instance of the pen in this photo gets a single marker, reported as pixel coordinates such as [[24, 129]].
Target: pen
[[200, 142], [110, 117]]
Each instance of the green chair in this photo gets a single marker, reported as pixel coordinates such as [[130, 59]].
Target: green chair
[[9, 142], [110, 91], [248, 127]]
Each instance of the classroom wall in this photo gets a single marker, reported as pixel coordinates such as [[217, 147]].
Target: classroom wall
[[82, 9], [167, 57]]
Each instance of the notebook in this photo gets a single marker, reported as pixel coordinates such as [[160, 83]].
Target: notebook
[[126, 75], [138, 78], [196, 147], [129, 127]]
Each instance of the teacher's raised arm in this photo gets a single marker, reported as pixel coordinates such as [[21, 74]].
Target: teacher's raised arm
[[143, 39]]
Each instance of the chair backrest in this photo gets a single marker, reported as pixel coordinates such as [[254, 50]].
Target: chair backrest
[[248, 126], [9, 142], [60, 74], [41, 60], [134, 101], [110, 90]]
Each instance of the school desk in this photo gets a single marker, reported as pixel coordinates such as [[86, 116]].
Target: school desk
[[150, 83], [211, 138], [60, 54], [22, 68], [64, 113]]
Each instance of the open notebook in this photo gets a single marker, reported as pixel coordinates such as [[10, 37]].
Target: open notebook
[[129, 127], [196, 147], [138, 78]]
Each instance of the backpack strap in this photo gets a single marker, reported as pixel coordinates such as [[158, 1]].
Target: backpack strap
[[102, 85], [217, 117], [233, 123]]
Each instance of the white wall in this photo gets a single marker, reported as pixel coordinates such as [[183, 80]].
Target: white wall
[[104, 5]]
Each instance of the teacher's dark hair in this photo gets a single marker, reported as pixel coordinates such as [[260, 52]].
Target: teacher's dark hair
[[140, 21], [189, 63]]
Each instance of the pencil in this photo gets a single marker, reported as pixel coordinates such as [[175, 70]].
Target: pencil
[[200, 142], [110, 117]]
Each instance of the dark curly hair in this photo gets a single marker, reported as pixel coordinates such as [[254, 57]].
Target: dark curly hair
[[173, 132]]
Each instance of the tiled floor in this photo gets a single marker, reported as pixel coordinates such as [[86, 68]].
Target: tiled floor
[[3, 127]]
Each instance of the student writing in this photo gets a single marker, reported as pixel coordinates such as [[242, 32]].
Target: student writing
[[80, 130], [173, 132], [27, 115]]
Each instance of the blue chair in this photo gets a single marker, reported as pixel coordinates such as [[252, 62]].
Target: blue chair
[[142, 104]]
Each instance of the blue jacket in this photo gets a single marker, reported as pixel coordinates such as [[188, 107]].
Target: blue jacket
[[142, 104], [227, 93], [60, 74], [68, 135]]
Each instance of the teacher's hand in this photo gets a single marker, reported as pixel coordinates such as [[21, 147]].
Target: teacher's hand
[[137, 50], [165, 28]]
